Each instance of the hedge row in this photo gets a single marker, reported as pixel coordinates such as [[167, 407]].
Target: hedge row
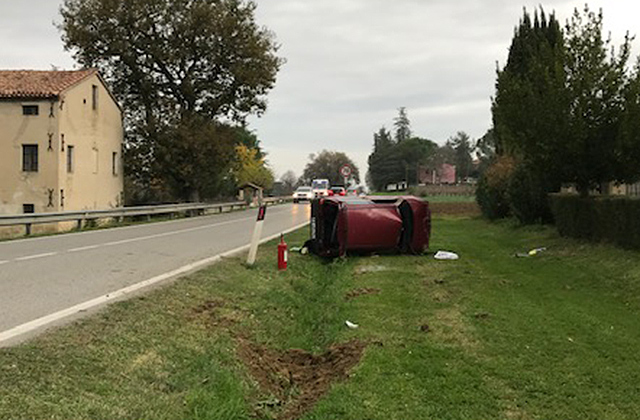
[[606, 219]]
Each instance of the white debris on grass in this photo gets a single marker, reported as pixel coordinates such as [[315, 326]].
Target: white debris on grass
[[446, 255], [351, 325]]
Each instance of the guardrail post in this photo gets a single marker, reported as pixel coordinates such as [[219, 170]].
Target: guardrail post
[[79, 224], [27, 229]]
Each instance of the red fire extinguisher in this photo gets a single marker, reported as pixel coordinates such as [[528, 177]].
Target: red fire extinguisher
[[282, 254]]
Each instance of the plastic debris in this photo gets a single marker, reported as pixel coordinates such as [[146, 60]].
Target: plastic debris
[[446, 255], [531, 253], [351, 325]]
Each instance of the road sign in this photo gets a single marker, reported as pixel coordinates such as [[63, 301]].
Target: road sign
[[345, 171]]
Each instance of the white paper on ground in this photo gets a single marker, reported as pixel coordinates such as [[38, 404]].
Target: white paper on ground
[[446, 255]]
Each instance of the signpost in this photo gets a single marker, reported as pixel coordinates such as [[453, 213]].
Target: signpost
[[345, 171], [257, 233]]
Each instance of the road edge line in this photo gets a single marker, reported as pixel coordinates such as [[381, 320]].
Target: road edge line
[[46, 320]]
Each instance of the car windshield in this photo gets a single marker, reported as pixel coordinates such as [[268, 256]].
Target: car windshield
[[319, 184], [303, 189]]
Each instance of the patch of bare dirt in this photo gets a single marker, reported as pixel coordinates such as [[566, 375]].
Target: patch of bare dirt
[[360, 292], [208, 307], [217, 313], [455, 209], [298, 379]]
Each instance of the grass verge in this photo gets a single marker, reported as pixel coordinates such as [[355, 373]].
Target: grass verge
[[489, 336]]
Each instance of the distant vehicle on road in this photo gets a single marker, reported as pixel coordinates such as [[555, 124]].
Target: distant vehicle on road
[[338, 190], [320, 188], [303, 193]]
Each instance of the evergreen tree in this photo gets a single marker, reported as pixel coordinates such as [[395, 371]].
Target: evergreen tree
[[596, 81], [628, 139], [402, 126], [463, 148], [530, 112]]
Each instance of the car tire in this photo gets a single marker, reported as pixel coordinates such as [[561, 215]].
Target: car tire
[[295, 201]]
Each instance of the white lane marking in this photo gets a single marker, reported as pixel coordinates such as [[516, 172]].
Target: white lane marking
[[84, 248], [175, 232], [56, 316], [33, 257], [4, 262]]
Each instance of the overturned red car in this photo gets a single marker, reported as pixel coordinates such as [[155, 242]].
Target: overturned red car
[[341, 225]]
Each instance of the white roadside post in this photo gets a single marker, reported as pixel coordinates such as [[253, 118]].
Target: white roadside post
[[257, 233]]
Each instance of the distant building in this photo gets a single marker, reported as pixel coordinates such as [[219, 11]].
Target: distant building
[[60, 142], [397, 186], [444, 174]]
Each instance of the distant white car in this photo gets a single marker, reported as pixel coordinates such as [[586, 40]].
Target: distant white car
[[303, 193]]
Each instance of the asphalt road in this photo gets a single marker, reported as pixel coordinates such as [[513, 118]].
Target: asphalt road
[[41, 278]]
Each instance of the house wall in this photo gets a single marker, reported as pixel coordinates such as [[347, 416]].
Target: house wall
[[16, 186], [95, 135]]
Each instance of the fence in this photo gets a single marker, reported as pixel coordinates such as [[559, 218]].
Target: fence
[[83, 216]]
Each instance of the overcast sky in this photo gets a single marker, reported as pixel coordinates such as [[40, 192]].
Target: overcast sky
[[352, 63]]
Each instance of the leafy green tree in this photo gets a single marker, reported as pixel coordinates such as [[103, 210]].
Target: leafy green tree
[[397, 158], [189, 156], [326, 165], [441, 155], [414, 153], [169, 63], [289, 181], [250, 168], [596, 81]]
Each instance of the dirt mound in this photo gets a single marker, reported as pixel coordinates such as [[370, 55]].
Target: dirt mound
[[455, 209], [359, 292], [297, 379]]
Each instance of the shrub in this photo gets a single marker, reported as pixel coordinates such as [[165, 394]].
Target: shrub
[[528, 196], [599, 219], [492, 189]]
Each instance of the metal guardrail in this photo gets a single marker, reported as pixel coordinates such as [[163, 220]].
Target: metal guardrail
[[80, 216]]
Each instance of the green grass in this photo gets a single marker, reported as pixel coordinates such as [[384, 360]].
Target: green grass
[[439, 198], [450, 198], [554, 336]]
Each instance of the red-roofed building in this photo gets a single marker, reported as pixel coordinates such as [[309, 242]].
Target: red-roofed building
[[61, 139], [443, 174]]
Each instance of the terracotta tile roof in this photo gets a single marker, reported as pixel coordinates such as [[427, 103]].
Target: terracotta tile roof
[[38, 84]]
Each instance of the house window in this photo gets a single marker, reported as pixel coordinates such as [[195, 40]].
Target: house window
[[29, 109], [94, 97], [30, 157], [28, 208], [70, 158], [114, 163]]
